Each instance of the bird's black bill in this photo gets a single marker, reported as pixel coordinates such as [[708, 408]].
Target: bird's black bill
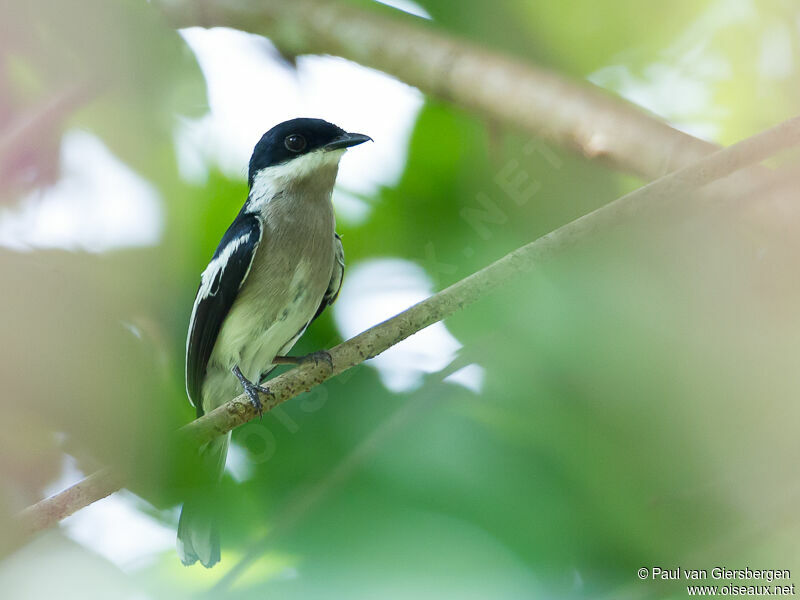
[[348, 140]]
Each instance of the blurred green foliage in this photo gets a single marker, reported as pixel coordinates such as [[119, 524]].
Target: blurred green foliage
[[639, 405]]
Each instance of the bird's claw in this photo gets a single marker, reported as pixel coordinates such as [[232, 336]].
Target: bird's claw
[[252, 390]]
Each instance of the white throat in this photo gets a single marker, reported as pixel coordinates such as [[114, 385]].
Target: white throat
[[315, 171]]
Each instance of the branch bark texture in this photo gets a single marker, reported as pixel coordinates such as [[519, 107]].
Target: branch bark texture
[[379, 338], [571, 114]]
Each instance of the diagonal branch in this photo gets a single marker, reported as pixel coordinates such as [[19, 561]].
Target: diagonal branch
[[379, 338], [308, 498], [572, 114]]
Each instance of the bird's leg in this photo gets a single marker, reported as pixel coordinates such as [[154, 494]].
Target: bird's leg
[[251, 389], [315, 357]]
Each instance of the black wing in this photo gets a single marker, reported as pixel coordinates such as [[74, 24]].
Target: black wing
[[218, 289], [336, 279]]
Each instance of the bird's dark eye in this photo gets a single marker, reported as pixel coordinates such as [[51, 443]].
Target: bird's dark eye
[[295, 142]]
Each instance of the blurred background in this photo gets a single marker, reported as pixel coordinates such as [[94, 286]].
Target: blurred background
[[631, 403]]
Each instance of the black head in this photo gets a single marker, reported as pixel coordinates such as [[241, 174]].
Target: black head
[[297, 137]]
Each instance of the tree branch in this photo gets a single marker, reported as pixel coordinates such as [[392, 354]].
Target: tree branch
[[575, 115], [379, 338], [49, 511], [306, 499]]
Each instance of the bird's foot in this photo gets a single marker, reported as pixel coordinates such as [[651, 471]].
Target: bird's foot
[[315, 357], [251, 389]]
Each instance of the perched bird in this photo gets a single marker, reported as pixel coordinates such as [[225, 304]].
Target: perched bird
[[278, 266]]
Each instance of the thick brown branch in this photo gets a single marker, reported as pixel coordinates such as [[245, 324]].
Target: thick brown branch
[[572, 114], [439, 306]]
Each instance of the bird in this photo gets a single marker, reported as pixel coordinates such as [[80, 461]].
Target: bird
[[276, 269]]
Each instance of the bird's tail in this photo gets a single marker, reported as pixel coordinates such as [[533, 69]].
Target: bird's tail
[[198, 535]]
